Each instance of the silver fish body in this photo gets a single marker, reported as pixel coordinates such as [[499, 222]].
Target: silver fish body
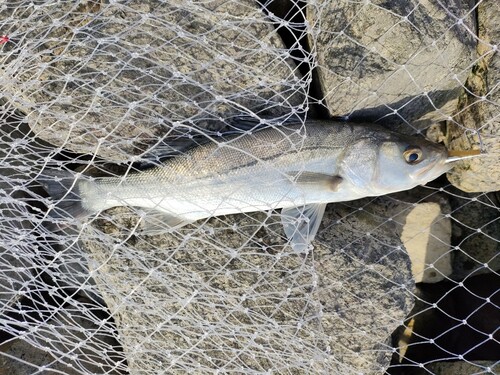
[[274, 168]]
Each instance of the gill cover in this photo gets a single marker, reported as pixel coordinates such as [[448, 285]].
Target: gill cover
[[359, 164]]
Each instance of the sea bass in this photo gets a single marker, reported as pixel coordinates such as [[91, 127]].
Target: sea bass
[[274, 168]]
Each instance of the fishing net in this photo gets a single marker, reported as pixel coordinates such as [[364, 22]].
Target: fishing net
[[406, 283]]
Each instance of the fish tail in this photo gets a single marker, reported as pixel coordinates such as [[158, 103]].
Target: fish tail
[[64, 188]]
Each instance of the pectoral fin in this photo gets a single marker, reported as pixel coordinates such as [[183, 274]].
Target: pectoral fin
[[330, 182], [301, 224]]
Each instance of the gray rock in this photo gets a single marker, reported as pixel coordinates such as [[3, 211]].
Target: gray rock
[[79, 344], [396, 61], [420, 219], [478, 110], [227, 293], [36, 275], [474, 246], [366, 285], [17, 239], [450, 320], [464, 368], [426, 236], [475, 232], [114, 79]]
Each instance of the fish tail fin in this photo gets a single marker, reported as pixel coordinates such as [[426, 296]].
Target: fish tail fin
[[64, 190]]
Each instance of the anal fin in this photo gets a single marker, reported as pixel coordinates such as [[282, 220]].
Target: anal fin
[[156, 222]]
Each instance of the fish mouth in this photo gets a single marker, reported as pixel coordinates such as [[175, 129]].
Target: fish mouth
[[432, 171], [436, 169]]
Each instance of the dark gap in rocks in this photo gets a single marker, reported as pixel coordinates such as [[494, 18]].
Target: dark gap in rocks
[[443, 323], [295, 39]]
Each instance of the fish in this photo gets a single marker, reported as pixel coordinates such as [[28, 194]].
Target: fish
[[277, 168]]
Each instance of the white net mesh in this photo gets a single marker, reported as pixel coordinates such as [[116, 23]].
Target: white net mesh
[[406, 283]]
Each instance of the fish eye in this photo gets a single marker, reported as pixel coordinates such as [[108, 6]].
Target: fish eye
[[413, 155]]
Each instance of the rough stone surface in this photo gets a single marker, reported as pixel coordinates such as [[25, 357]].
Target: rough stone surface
[[436, 328], [114, 79], [376, 57], [479, 110], [36, 276], [419, 219], [17, 240], [475, 233], [86, 348], [225, 284], [474, 228], [355, 252], [227, 293], [426, 236], [464, 368]]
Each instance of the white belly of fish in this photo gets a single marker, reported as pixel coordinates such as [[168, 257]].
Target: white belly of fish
[[204, 198]]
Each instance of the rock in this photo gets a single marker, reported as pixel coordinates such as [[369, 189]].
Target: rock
[[114, 79], [393, 60], [228, 292], [464, 368], [17, 239], [475, 233], [79, 344], [356, 250], [426, 236], [478, 110], [474, 244], [37, 276], [437, 331], [422, 223]]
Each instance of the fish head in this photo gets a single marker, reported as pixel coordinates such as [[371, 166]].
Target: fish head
[[390, 162], [405, 162]]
